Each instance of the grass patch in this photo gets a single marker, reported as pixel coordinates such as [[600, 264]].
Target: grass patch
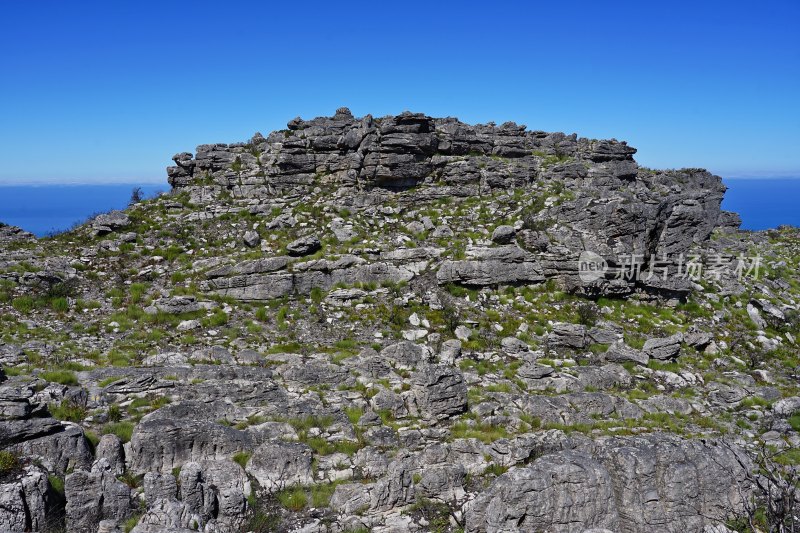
[[9, 462], [123, 430], [64, 377], [241, 458], [69, 411], [354, 414], [485, 433], [56, 483], [293, 499]]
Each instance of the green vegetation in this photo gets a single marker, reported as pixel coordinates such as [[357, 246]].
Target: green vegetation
[[9, 462], [64, 377], [68, 410], [241, 458], [56, 483], [293, 499], [123, 430]]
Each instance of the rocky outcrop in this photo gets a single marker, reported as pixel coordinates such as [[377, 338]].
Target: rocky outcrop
[[492, 266], [109, 222], [636, 484], [159, 445], [269, 279], [10, 234], [96, 495], [665, 348], [613, 208]]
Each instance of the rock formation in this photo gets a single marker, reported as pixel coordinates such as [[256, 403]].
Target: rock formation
[[403, 324]]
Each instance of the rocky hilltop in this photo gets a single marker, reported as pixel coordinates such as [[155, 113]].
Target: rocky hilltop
[[403, 324]]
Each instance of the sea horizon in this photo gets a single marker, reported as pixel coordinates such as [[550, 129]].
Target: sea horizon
[[44, 208]]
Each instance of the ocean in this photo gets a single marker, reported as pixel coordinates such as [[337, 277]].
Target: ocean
[[42, 209]]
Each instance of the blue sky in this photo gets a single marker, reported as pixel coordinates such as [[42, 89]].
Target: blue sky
[[108, 91]]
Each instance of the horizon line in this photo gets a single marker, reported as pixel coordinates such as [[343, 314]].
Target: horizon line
[[151, 182]]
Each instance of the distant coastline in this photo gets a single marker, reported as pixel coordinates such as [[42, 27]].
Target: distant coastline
[[47, 208], [43, 208]]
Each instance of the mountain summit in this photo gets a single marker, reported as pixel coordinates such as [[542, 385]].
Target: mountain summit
[[403, 323]]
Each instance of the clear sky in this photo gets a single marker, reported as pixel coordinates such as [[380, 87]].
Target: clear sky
[[102, 91]]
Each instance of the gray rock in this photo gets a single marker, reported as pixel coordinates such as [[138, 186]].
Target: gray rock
[[620, 352], [342, 231], [534, 371], [450, 351], [513, 346], [58, 452], [159, 445], [109, 222], [110, 449], [604, 377], [11, 355], [636, 484], [251, 239], [277, 465], [95, 496], [159, 487], [405, 355], [351, 498], [492, 266], [216, 492], [25, 502], [396, 489], [178, 305], [504, 234], [387, 400], [440, 391], [664, 349], [787, 406], [567, 336], [303, 246]]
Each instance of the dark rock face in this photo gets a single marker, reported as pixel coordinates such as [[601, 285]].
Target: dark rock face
[[607, 204]]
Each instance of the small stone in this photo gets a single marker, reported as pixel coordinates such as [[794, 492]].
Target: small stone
[[252, 239], [463, 333], [188, 325]]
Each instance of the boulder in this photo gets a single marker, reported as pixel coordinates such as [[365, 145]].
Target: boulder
[[110, 222], [619, 352], [665, 348], [161, 444], [251, 239], [26, 501], [303, 246], [277, 465], [567, 335], [440, 391], [405, 355], [503, 234], [94, 496]]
